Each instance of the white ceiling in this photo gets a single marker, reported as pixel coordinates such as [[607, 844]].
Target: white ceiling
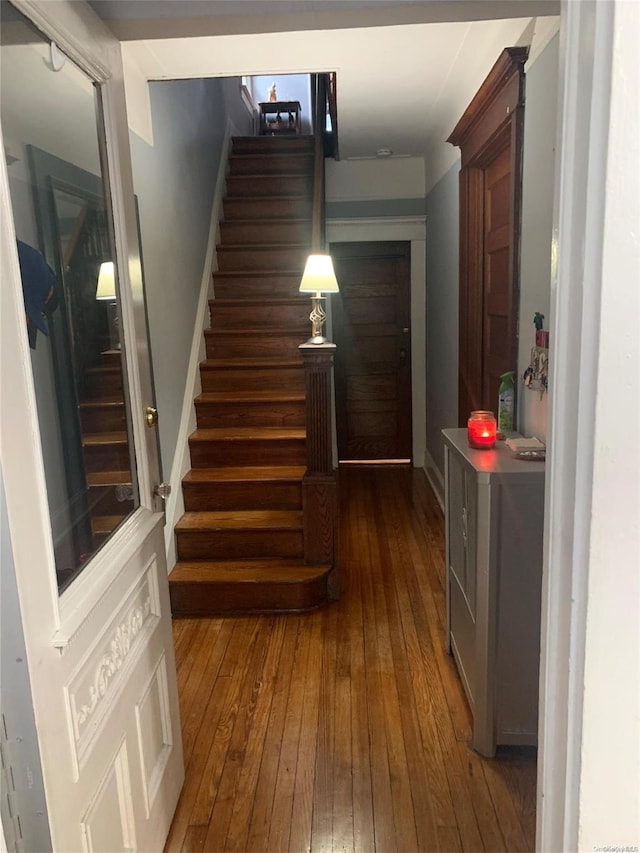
[[406, 70]]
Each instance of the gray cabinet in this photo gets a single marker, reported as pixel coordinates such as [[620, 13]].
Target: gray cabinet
[[494, 524]]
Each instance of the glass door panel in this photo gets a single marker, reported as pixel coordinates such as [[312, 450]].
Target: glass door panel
[[50, 113]]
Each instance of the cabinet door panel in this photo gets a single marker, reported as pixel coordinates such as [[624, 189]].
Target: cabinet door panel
[[457, 527]]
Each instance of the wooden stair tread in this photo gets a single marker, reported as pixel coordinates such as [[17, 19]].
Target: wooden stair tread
[[247, 247], [244, 301], [240, 520], [100, 438], [244, 433], [108, 478], [246, 474], [102, 403], [257, 396], [287, 331], [106, 523], [275, 220], [285, 570], [257, 273], [250, 363]]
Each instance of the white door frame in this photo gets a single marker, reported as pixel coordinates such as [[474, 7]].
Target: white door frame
[[593, 224]]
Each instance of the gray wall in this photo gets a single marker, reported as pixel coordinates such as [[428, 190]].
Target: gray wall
[[537, 222], [442, 312], [174, 181]]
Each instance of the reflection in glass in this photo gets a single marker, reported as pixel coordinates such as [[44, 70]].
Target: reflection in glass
[[64, 228]]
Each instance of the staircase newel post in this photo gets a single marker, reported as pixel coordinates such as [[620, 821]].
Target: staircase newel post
[[319, 484]]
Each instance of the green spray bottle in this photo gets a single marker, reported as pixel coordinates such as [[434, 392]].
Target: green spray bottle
[[505, 402]]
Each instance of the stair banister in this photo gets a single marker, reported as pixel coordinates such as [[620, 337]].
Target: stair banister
[[319, 484]]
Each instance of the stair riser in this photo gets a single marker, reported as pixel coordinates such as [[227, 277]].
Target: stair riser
[[99, 458], [201, 599], [265, 185], [111, 358], [267, 208], [220, 454], [252, 345], [258, 315], [266, 379], [268, 144], [255, 285], [271, 414], [106, 418], [268, 258], [221, 496], [235, 544], [248, 233], [249, 164], [104, 501], [106, 383]]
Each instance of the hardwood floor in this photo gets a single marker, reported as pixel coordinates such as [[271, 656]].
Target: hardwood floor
[[346, 728]]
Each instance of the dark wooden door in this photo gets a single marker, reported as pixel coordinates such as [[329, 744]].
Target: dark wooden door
[[489, 135], [373, 358], [498, 309]]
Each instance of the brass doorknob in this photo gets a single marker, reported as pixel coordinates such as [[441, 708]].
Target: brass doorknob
[[151, 416]]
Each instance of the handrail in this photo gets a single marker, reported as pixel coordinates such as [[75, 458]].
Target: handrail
[[319, 90], [333, 112]]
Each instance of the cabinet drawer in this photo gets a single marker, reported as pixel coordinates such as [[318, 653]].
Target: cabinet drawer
[[463, 637]]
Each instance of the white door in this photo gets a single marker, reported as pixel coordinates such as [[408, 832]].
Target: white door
[[78, 444]]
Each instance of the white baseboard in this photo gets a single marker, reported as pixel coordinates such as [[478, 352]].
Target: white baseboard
[[435, 478], [181, 461]]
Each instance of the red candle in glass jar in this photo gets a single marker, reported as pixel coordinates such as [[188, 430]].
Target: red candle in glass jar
[[481, 430]]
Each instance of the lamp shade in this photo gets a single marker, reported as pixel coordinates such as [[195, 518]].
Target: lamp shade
[[318, 276], [106, 282]]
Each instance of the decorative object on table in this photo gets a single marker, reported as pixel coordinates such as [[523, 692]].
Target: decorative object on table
[[481, 430], [505, 401], [527, 449], [535, 376], [542, 336], [318, 278], [272, 93]]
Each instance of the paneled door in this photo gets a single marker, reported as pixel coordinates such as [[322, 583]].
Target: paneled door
[[78, 442], [371, 329], [490, 137]]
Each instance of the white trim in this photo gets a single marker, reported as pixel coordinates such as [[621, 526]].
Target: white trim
[[585, 68], [138, 98], [413, 229], [544, 30], [435, 478], [181, 460]]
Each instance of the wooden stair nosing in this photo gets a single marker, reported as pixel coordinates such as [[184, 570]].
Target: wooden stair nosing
[[247, 474], [266, 363], [99, 439], [257, 396], [231, 434], [285, 570], [205, 522]]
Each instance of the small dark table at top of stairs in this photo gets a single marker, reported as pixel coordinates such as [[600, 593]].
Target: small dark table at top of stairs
[[240, 541], [278, 126]]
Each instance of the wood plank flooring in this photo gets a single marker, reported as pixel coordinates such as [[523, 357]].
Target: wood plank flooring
[[346, 729]]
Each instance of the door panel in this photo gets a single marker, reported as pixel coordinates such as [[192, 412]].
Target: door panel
[[372, 365], [497, 324], [99, 646], [489, 135]]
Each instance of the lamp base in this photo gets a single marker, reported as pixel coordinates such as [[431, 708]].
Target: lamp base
[[318, 339]]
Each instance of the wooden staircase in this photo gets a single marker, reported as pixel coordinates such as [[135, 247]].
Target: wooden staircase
[[105, 445], [241, 543]]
